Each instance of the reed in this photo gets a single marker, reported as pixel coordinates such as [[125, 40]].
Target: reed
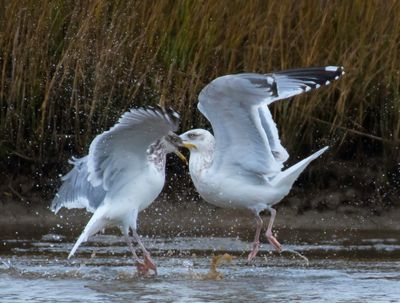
[[70, 68]]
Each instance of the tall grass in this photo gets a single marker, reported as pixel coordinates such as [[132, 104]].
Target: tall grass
[[69, 68]]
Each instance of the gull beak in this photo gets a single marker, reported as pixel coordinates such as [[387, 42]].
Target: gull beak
[[189, 145], [181, 156]]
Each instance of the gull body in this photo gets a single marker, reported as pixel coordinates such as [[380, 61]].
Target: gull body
[[123, 174], [242, 166], [237, 188]]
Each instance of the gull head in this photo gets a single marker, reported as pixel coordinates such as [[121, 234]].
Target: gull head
[[198, 140], [172, 142]]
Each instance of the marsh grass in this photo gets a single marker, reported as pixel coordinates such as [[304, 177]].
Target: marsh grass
[[68, 69]]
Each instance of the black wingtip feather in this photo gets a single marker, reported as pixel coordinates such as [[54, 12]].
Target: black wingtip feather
[[326, 73], [314, 77]]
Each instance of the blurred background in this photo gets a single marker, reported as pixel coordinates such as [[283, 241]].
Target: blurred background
[[69, 69]]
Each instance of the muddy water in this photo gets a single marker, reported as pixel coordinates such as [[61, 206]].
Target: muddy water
[[358, 267]]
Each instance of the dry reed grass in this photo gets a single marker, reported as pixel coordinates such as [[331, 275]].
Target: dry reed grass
[[69, 68]]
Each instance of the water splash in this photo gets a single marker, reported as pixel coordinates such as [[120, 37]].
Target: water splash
[[297, 254]]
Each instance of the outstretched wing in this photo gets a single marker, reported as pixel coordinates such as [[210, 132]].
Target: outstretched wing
[[236, 105], [269, 126], [123, 148], [76, 191], [115, 156], [296, 81]]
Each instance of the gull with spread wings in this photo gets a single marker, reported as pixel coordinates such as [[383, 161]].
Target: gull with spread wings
[[241, 166], [122, 174]]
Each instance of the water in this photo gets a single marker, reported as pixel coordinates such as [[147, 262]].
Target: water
[[342, 268]]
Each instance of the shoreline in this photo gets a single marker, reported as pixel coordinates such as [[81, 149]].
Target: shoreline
[[195, 219], [326, 198]]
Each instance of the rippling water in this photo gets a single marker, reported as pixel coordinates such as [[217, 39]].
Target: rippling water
[[362, 268]]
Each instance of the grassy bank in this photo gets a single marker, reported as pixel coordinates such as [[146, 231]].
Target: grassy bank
[[69, 68]]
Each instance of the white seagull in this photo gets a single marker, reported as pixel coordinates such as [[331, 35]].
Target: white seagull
[[241, 167], [122, 174]]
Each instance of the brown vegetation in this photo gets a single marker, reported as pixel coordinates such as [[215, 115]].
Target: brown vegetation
[[68, 69]]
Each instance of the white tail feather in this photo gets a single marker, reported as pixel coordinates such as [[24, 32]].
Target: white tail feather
[[95, 224], [290, 175]]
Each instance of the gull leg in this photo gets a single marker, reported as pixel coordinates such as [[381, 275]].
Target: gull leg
[[148, 262], [271, 239], [141, 267], [128, 241], [256, 243]]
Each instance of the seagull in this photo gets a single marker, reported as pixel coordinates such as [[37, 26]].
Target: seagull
[[122, 174], [242, 166]]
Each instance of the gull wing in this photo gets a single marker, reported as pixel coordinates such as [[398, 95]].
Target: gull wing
[[296, 81], [76, 191], [236, 105], [278, 151], [123, 148]]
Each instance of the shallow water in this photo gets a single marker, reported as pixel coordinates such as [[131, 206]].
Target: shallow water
[[342, 268]]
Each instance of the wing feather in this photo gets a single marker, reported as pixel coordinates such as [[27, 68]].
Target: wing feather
[[124, 146], [236, 106], [76, 191], [296, 81], [120, 150], [279, 152]]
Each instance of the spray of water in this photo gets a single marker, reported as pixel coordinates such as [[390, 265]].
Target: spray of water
[[292, 251]]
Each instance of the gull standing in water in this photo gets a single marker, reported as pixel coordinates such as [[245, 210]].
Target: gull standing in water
[[122, 174], [241, 167]]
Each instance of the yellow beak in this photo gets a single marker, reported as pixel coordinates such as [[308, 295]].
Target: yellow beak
[[181, 156], [189, 145]]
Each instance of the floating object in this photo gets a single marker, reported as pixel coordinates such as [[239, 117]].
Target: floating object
[[212, 274]]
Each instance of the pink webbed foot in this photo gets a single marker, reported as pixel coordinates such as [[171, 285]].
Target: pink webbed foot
[[273, 241], [143, 268], [253, 253], [150, 263]]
